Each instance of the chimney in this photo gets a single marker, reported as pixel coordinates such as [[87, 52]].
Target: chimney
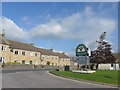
[[32, 43], [2, 35], [51, 49], [63, 52]]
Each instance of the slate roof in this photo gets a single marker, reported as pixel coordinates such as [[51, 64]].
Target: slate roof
[[61, 55], [29, 47]]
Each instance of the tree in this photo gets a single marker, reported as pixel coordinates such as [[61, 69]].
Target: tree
[[103, 52]]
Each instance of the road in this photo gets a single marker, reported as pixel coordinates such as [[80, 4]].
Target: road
[[41, 79]]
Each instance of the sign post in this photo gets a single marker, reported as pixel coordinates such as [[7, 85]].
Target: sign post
[[82, 52]]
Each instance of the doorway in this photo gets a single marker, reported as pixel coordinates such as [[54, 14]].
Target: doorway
[[30, 62], [23, 61]]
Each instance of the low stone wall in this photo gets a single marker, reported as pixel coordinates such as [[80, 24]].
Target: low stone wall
[[45, 67], [74, 67], [28, 66], [17, 66]]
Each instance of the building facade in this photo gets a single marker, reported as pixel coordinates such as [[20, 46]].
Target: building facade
[[13, 51]]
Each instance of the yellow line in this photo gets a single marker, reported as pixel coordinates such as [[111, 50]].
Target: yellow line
[[80, 81]]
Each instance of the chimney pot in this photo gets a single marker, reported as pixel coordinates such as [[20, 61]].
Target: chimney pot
[[51, 49], [32, 44]]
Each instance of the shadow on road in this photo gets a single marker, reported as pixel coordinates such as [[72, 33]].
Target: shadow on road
[[14, 71]]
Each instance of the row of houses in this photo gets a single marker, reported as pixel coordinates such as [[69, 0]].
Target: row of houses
[[13, 51]]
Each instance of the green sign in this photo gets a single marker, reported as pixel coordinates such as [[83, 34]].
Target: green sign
[[81, 50]]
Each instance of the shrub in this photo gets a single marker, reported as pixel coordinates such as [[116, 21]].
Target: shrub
[[14, 62], [48, 63]]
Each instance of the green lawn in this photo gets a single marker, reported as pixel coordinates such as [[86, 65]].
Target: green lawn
[[105, 76]]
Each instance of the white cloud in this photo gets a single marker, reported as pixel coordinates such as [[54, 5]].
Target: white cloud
[[86, 25], [49, 30], [12, 31], [26, 20], [70, 54]]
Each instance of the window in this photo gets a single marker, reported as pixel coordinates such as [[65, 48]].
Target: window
[[16, 52], [36, 62], [23, 53], [36, 54], [2, 59], [31, 54], [52, 57], [48, 57], [43, 57], [3, 48], [52, 64], [16, 61]]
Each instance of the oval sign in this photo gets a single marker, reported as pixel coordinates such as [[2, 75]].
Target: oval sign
[[81, 50]]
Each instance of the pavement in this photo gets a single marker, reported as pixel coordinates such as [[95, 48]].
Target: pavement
[[41, 79]]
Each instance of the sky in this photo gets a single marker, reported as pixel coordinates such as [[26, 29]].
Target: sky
[[61, 26]]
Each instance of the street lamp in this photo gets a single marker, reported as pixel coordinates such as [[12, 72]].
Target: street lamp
[[58, 64]]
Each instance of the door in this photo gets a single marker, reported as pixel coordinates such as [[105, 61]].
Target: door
[[36, 62], [23, 61], [30, 62], [66, 68]]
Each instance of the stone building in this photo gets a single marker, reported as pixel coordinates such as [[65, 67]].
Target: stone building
[[13, 51]]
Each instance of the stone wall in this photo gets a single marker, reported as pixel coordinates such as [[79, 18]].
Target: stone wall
[[17, 66], [28, 66], [74, 67]]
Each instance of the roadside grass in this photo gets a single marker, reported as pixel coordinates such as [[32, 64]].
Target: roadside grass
[[104, 76]]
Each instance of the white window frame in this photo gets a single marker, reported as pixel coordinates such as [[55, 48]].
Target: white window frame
[[31, 54], [48, 57], [36, 54], [23, 54], [2, 59], [56, 58], [15, 51], [3, 48], [43, 57], [16, 60], [52, 57]]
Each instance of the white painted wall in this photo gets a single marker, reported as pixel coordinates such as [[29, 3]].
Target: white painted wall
[[108, 67], [76, 64]]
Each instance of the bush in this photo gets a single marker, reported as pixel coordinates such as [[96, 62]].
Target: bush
[[14, 62], [48, 63], [56, 69]]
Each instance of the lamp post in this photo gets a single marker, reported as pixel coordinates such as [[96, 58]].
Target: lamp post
[[58, 64]]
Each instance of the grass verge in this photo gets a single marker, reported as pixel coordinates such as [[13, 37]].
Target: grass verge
[[104, 76]]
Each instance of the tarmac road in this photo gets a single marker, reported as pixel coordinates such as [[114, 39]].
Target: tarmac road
[[41, 79]]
